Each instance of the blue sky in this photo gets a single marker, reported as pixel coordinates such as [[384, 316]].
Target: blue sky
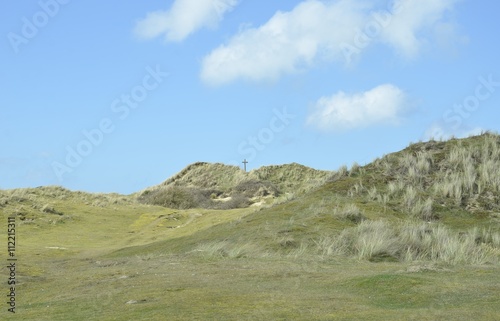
[[108, 96]]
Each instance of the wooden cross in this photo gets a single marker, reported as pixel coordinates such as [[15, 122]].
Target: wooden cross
[[245, 164]]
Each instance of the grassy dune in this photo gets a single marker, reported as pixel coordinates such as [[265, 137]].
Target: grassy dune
[[415, 235]]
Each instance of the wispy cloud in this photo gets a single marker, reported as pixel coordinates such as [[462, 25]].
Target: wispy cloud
[[319, 30], [416, 20], [183, 18], [382, 105]]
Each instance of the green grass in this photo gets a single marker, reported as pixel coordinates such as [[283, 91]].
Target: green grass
[[172, 287]]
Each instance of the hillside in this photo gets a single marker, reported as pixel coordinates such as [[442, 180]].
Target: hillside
[[448, 190], [413, 235], [426, 179], [222, 186]]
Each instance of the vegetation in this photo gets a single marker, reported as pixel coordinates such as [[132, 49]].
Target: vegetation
[[412, 235], [409, 242], [219, 186], [457, 175]]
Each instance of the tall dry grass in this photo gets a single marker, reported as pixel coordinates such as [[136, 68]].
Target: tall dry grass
[[411, 241]]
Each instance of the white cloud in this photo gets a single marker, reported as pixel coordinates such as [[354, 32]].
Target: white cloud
[[317, 30], [439, 131], [414, 18], [284, 44], [381, 105], [183, 18]]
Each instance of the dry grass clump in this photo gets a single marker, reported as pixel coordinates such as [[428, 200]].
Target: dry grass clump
[[357, 190], [379, 241], [423, 210], [355, 169], [349, 212], [341, 172], [415, 168], [410, 197], [366, 241], [224, 249], [395, 188], [48, 209]]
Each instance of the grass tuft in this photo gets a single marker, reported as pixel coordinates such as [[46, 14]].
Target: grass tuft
[[380, 241], [349, 212]]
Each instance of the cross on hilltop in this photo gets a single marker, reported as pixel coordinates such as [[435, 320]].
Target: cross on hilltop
[[245, 162]]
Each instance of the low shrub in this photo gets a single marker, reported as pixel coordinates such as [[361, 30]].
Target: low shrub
[[252, 188], [180, 197], [236, 201], [177, 197]]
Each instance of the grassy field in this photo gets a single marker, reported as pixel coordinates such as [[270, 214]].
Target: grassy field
[[414, 235]]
